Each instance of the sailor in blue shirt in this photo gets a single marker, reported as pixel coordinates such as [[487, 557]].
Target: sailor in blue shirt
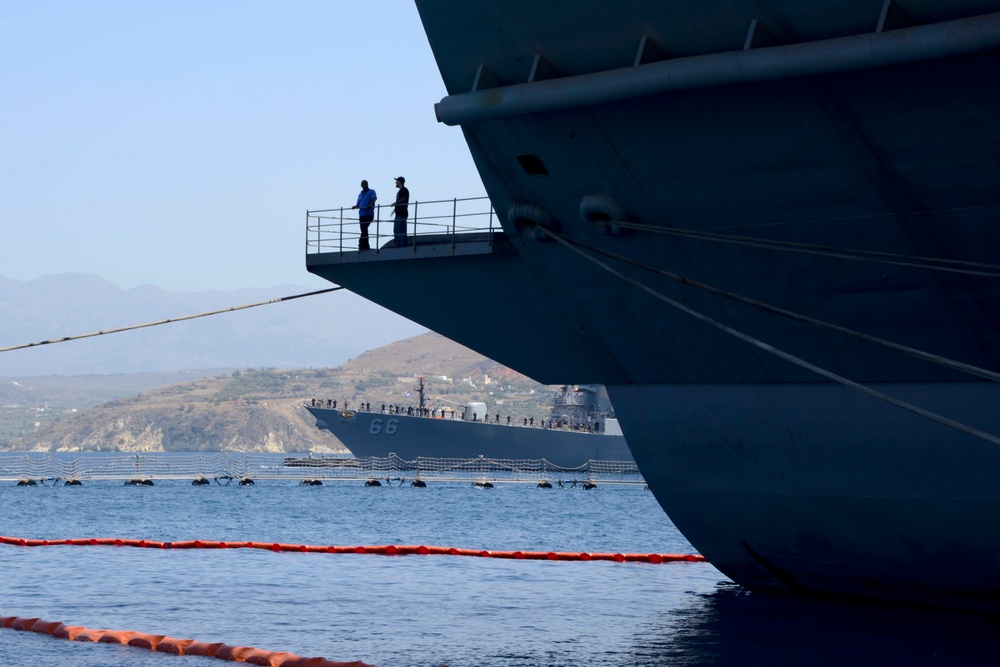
[[366, 213]]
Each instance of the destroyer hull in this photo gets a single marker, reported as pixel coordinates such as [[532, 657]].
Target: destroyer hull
[[784, 479], [376, 434]]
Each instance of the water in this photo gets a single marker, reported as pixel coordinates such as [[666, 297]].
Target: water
[[430, 610]]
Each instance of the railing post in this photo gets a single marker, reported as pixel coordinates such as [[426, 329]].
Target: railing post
[[491, 221], [454, 213], [378, 219], [415, 226], [341, 229]]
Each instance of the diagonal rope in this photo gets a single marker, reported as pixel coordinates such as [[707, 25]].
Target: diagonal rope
[[168, 321], [759, 344], [931, 263], [904, 349]]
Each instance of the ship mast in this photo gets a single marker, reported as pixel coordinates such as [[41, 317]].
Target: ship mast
[[420, 392]]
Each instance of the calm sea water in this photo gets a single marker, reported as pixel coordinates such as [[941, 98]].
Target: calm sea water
[[423, 611]]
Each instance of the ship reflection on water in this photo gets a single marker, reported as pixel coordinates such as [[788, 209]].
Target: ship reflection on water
[[731, 626]]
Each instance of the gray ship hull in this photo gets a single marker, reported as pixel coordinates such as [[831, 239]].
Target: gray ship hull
[[782, 478], [377, 434], [815, 489]]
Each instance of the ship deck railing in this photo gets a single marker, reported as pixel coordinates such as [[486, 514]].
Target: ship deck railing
[[591, 427], [443, 223]]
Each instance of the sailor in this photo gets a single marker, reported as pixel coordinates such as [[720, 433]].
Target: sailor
[[400, 212], [366, 213]]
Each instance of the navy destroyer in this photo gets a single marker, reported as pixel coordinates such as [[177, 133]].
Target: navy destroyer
[[579, 430], [770, 229]]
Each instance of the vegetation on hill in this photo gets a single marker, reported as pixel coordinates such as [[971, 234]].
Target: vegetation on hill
[[30, 404], [263, 409]]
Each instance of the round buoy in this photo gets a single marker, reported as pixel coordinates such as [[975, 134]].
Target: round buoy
[[544, 485], [73, 482], [311, 482], [589, 485], [201, 481], [246, 481], [27, 482], [419, 483], [373, 482], [139, 482], [483, 485]]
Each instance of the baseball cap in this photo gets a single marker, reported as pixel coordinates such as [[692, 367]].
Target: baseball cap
[[401, 179]]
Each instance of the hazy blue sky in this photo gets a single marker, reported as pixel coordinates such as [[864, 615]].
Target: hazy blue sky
[[179, 143]]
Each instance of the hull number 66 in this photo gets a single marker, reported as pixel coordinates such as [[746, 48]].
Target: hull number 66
[[376, 427]]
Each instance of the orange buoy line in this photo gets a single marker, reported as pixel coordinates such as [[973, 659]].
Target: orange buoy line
[[382, 550], [164, 644]]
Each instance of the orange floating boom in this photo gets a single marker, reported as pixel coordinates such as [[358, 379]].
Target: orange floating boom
[[378, 549], [163, 644]]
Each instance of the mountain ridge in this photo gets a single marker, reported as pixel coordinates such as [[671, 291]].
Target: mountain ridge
[[320, 330]]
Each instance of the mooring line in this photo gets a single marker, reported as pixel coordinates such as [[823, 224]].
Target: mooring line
[[781, 354], [967, 267], [984, 373], [167, 321], [381, 550], [171, 645]]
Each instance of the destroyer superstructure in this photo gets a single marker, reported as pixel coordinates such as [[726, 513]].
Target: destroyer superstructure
[[766, 210]]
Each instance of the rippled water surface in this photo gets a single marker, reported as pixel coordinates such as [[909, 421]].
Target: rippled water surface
[[422, 610]]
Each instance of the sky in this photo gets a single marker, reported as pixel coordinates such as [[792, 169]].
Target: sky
[[179, 143]]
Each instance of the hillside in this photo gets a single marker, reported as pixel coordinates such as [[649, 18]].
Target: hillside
[[29, 404], [262, 410]]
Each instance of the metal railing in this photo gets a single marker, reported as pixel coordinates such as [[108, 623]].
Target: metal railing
[[225, 468], [439, 221]]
